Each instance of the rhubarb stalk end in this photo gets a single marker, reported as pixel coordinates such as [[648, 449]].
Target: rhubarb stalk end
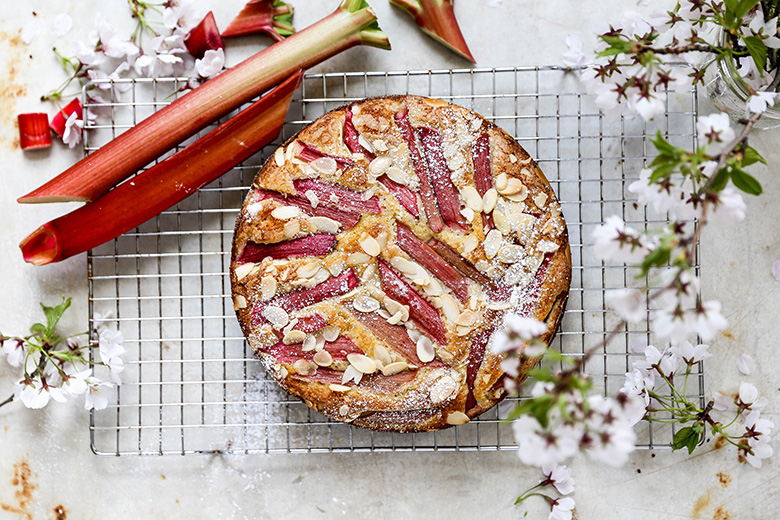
[[40, 247]]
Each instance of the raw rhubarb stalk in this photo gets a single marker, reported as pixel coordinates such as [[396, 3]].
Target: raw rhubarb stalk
[[311, 245], [432, 261], [348, 219], [338, 196], [420, 310], [58, 121], [460, 263], [34, 131], [353, 23], [439, 173], [165, 184], [272, 17], [308, 153], [338, 350], [483, 175], [204, 37], [436, 18], [403, 194], [394, 336], [302, 298], [352, 137], [435, 221]]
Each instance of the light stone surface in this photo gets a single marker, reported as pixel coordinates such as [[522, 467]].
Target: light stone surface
[[736, 262]]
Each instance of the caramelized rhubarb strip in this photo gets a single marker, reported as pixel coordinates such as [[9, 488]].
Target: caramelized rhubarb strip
[[529, 294], [312, 245], [326, 376], [460, 263], [302, 298], [483, 175], [271, 17], [383, 384], [132, 203], [437, 19], [338, 350], [420, 310], [204, 37], [352, 137], [446, 193], [308, 153], [394, 336], [432, 261], [476, 355], [343, 198], [404, 195], [311, 323], [348, 219], [435, 221]]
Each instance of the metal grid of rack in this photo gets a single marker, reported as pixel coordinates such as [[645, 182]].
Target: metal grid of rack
[[190, 382]]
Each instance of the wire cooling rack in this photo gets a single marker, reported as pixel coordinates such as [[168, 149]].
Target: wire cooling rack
[[191, 384]]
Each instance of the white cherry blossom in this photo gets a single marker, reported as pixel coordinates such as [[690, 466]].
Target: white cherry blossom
[[760, 101], [30, 31], [715, 132], [748, 393], [73, 129], [211, 64], [690, 354], [15, 352], [574, 57], [620, 243], [721, 402], [558, 476], [62, 24], [561, 509], [97, 394], [628, 303], [745, 364]]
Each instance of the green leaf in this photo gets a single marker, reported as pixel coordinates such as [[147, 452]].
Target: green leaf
[[540, 374], [744, 7], [757, 50], [687, 437], [659, 257], [38, 328], [537, 407], [664, 147], [751, 156], [746, 182], [664, 170], [721, 179], [53, 314]]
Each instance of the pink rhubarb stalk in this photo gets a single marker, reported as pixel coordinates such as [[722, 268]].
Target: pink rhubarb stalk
[[483, 174], [436, 18], [353, 23], [312, 245], [403, 194], [204, 37], [439, 173], [311, 323], [58, 121], [338, 350], [343, 198], [432, 261], [420, 310], [352, 137], [165, 184], [394, 336], [308, 153], [302, 298], [435, 221], [34, 131], [272, 17], [348, 219], [459, 263]]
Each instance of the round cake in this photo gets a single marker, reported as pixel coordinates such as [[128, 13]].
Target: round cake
[[377, 253]]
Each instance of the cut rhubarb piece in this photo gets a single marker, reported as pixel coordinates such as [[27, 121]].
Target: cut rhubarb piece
[[460, 263], [34, 132], [308, 153], [530, 292], [165, 184], [353, 23], [447, 194], [435, 221], [477, 354], [312, 245], [271, 17], [339, 350], [352, 137], [387, 384], [436, 18], [406, 197], [338, 196], [326, 376], [58, 121], [311, 323], [394, 336], [420, 310], [432, 261], [302, 298], [483, 174], [348, 219], [204, 37]]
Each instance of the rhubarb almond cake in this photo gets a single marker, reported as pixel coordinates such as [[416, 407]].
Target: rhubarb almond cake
[[377, 253]]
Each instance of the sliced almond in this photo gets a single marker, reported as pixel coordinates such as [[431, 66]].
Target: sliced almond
[[323, 358], [319, 342], [293, 337], [513, 186], [472, 198], [501, 222], [510, 253], [290, 326], [492, 243], [458, 418], [413, 334], [394, 368], [309, 269], [285, 212], [382, 355], [380, 145], [370, 192], [499, 306], [324, 165], [365, 144], [369, 272], [320, 276], [358, 259], [370, 246], [335, 265], [469, 244], [239, 302], [268, 287], [243, 270], [379, 166], [435, 102], [520, 196], [404, 265], [381, 239], [365, 303], [397, 175], [489, 200], [466, 318], [331, 333], [433, 287], [277, 316], [395, 307], [396, 318], [547, 246], [279, 157], [283, 373], [512, 158], [314, 200], [344, 410], [468, 213], [450, 307], [351, 374], [325, 224], [305, 367], [292, 228], [425, 350], [309, 343], [461, 331], [540, 199], [442, 389], [501, 182], [362, 363]]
